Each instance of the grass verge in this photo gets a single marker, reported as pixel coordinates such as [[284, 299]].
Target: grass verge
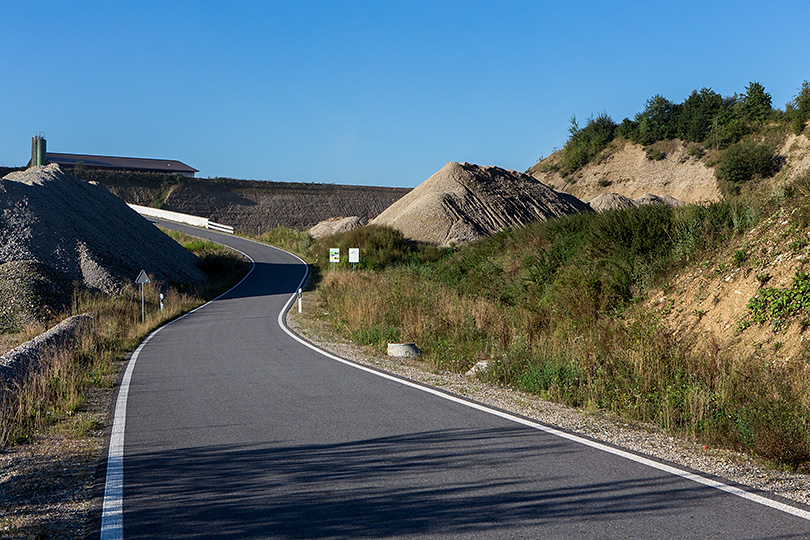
[[554, 308]]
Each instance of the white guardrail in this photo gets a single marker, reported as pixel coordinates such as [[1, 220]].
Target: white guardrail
[[177, 217]]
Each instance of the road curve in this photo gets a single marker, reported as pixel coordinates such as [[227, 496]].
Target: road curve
[[230, 428]]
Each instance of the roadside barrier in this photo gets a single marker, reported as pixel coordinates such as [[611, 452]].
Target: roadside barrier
[[177, 217]]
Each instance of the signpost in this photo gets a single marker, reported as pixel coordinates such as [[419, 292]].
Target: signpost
[[142, 279], [354, 256], [334, 257]]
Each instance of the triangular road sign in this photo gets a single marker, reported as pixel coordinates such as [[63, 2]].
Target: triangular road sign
[[142, 278]]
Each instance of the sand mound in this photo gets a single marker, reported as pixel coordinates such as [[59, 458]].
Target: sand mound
[[83, 233], [614, 201], [611, 201], [331, 226], [464, 202]]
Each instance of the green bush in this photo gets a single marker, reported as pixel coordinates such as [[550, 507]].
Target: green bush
[[654, 154], [743, 161], [656, 122], [380, 247], [586, 143]]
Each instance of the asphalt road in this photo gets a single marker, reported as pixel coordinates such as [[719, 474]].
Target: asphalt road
[[235, 430]]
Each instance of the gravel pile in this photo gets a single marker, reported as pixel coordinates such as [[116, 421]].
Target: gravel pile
[[81, 233], [339, 225], [615, 201], [464, 202]]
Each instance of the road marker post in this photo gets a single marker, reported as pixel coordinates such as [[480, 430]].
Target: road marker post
[[143, 279], [300, 295]]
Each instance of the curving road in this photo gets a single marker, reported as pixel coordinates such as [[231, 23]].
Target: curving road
[[230, 428]]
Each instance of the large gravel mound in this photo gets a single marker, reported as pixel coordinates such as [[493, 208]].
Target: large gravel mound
[[464, 202], [84, 233]]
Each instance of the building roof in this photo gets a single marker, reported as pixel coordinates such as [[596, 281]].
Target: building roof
[[112, 162]]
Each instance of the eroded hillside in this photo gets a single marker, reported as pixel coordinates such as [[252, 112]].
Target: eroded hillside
[[247, 203]]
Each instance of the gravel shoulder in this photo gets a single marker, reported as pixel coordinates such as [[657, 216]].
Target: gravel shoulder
[[648, 440]]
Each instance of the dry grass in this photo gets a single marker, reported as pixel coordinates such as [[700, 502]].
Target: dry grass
[[561, 334]]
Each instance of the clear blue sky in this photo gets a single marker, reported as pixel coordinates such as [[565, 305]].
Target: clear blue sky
[[372, 93]]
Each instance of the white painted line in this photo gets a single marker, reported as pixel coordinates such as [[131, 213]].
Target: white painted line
[[112, 510], [700, 479]]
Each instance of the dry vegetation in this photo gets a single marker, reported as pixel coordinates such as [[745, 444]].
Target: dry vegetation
[[558, 309]]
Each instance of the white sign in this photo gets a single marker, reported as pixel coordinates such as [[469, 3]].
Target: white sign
[[354, 255], [142, 278], [334, 255]]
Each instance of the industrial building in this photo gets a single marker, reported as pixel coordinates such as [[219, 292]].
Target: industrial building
[[40, 156]]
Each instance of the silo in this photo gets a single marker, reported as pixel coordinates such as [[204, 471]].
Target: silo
[[42, 156]]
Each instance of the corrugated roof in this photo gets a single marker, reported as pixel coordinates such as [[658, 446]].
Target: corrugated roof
[[113, 162]]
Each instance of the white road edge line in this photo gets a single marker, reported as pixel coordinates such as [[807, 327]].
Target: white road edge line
[[112, 510], [754, 497]]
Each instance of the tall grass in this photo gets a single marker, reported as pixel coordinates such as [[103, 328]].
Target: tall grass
[[553, 308], [57, 390]]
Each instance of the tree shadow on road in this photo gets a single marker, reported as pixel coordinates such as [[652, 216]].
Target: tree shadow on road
[[482, 483]]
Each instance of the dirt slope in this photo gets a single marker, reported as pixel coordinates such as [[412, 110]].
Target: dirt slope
[[463, 202], [246, 203], [629, 172]]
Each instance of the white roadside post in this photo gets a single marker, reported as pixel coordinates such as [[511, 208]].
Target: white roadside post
[[142, 279], [300, 295], [161, 302]]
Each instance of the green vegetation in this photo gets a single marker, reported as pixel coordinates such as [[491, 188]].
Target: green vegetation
[[554, 309], [56, 393], [380, 246], [586, 143], [733, 126], [776, 305]]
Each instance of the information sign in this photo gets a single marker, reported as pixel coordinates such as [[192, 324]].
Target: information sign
[[334, 255], [354, 255]]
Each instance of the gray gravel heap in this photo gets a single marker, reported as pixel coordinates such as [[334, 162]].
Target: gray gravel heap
[[85, 233], [464, 202]]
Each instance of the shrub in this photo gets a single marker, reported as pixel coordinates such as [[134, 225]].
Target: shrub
[[380, 247], [743, 161], [756, 102], [586, 143], [654, 154], [798, 110]]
